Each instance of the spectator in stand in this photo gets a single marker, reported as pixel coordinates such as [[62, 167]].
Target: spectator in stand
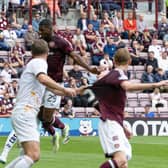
[[7, 104], [7, 72], [151, 60], [29, 37], [110, 48], [146, 40], [165, 46], [150, 6], [130, 25], [24, 27], [112, 33], [13, 89], [79, 36], [76, 73], [160, 75], [118, 23], [16, 58], [106, 62], [163, 61], [3, 21], [15, 25], [156, 48], [97, 51], [141, 24], [83, 22], [67, 110], [90, 36], [9, 36], [102, 34], [95, 23], [157, 99], [80, 49], [3, 45], [90, 77], [67, 34], [148, 77], [36, 21], [106, 22], [135, 50], [162, 27], [147, 112]]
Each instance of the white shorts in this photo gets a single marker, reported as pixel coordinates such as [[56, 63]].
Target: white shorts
[[51, 100], [113, 139], [25, 124]]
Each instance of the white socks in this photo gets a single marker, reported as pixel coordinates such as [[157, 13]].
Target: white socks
[[20, 162], [10, 142]]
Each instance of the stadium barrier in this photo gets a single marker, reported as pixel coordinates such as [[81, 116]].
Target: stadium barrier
[[88, 126]]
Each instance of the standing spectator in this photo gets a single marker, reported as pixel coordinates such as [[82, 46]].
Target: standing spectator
[[157, 99], [151, 60], [36, 21], [29, 37], [130, 25], [83, 22], [150, 6]]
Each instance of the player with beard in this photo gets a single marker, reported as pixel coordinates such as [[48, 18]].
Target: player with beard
[[59, 49]]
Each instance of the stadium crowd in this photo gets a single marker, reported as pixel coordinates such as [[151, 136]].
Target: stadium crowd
[[95, 40]]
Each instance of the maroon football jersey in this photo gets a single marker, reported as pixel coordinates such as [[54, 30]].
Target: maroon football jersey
[[59, 48], [111, 95]]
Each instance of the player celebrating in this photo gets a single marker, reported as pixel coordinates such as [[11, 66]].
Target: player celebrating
[[28, 101], [110, 91], [59, 49]]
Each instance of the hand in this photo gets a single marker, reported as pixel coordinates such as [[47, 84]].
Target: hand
[[70, 92], [128, 134], [162, 83], [94, 70], [80, 90]]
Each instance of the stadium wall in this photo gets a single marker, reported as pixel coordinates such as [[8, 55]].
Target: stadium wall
[[88, 126]]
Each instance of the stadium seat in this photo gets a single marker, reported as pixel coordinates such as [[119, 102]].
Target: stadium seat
[[144, 99], [139, 111], [79, 112], [130, 111], [163, 112]]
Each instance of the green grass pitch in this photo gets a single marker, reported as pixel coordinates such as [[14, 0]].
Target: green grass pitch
[[85, 152]]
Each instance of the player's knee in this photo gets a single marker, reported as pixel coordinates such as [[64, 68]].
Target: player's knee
[[121, 160], [35, 156]]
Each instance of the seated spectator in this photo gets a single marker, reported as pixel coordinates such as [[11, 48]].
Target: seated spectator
[[76, 73], [148, 113], [97, 51], [95, 23], [151, 60], [130, 25], [148, 76], [7, 104], [7, 72], [106, 22], [3, 45], [67, 34], [163, 61], [156, 48], [3, 21], [35, 22], [9, 36], [112, 33], [106, 62], [146, 40], [13, 89], [83, 22], [101, 33], [165, 46], [67, 110], [157, 100], [90, 77], [29, 37], [81, 50], [24, 27], [110, 48], [79, 36], [141, 24], [160, 75], [162, 27], [135, 50]]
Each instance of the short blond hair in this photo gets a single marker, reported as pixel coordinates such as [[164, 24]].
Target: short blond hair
[[122, 56]]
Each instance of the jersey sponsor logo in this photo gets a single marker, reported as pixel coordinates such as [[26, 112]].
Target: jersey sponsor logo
[[115, 138]]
